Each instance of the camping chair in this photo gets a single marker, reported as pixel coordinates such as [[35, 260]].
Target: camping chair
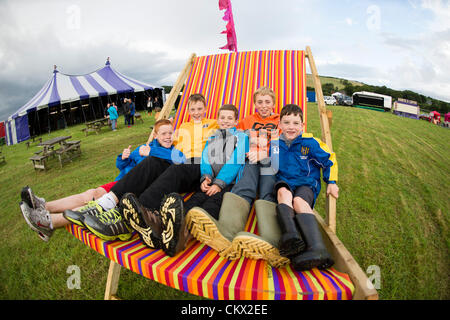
[[232, 78]]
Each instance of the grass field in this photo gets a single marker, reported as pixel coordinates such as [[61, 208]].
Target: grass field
[[393, 209]]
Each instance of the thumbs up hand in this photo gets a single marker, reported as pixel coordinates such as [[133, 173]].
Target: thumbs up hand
[[126, 152], [144, 150]]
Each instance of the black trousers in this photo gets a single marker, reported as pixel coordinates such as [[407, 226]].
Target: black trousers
[[138, 179], [177, 178], [210, 204]]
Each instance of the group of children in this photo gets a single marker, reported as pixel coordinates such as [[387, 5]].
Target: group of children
[[265, 159]]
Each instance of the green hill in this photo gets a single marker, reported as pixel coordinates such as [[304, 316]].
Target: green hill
[[393, 209]]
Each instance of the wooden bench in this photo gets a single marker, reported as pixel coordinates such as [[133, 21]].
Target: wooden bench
[[71, 150], [90, 129], [138, 116], [39, 162]]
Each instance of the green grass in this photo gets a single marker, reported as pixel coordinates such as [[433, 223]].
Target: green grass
[[393, 209]]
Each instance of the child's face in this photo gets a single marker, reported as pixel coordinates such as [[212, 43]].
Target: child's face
[[197, 111], [164, 135], [291, 125], [226, 119], [264, 105]]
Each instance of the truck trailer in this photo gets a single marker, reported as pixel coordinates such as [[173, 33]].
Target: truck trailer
[[372, 101], [406, 108]]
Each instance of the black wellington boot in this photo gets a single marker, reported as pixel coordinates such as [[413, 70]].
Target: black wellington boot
[[316, 254], [291, 242]]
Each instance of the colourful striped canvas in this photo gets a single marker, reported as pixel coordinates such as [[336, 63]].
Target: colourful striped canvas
[[233, 77], [201, 271], [230, 78]]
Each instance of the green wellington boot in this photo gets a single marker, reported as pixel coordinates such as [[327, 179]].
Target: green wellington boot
[[265, 246], [316, 254], [218, 234]]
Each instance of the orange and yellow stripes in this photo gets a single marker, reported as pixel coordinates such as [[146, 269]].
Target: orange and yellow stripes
[[233, 77]]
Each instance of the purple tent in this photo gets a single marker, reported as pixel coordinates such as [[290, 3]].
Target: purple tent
[[63, 88]]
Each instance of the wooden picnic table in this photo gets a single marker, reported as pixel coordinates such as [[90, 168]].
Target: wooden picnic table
[[96, 125], [66, 152]]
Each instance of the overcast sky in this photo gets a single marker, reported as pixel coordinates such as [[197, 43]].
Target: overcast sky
[[403, 44]]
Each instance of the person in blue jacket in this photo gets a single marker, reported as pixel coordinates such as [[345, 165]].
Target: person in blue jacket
[[299, 159], [113, 115], [132, 112], [222, 163], [128, 159]]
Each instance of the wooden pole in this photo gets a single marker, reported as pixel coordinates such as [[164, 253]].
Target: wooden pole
[[112, 282], [330, 205], [170, 103]]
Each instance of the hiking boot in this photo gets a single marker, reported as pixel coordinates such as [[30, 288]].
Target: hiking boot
[[108, 225], [218, 234], [92, 208], [265, 246], [38, 219], [175, 234], [144, 221], [31, 199], [291, 242], [316, 254]]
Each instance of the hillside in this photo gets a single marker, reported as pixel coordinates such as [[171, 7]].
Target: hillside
[[393, 209]]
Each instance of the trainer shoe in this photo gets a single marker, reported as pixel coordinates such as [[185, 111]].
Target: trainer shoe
[[92, 208], [175, 234], [108, 225], [38, 219], [31, 199], [147, 223]]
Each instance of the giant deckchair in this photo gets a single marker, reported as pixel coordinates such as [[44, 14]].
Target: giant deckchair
[[232, 78]]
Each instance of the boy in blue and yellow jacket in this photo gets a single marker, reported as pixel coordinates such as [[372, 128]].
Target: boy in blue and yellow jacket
[[299, 159]]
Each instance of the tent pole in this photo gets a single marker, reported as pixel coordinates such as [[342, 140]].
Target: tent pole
[[48, 118], [64, 117], [39, 121], [82, 111], [101, 106], [92, 108]]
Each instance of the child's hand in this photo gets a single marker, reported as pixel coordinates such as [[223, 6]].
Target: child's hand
[[126, 153], [255, 156], [205, 186], [333, 189], [144, 151], [213, 190]]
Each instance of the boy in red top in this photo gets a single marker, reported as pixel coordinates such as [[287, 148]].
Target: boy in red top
[[255, 179]]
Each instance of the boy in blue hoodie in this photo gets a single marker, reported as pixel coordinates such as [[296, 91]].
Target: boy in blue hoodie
[[299, 158]]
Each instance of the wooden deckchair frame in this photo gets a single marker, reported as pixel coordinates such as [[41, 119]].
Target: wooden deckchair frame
[[344, 261]]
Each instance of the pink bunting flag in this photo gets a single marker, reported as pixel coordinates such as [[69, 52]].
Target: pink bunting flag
[[230, 31]]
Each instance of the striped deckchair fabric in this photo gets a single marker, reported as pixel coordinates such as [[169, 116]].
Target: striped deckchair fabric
[[201, 271], [233, 77]]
